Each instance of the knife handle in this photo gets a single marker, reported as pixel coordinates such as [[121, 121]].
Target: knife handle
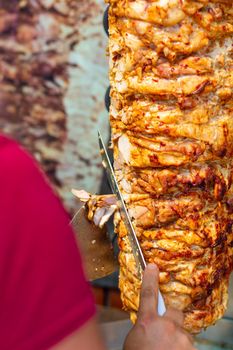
[[161, 305]]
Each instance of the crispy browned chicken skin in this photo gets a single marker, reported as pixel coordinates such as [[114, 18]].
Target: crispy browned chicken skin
[[171, 73]]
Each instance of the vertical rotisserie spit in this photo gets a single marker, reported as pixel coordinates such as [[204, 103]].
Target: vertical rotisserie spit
[[171, 115]]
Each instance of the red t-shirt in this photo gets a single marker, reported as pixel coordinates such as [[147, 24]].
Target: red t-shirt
[[43, 293]]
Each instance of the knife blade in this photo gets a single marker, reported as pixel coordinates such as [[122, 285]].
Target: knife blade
[[137, 252], [136, 249]]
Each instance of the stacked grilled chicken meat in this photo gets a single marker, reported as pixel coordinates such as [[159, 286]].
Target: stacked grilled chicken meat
[[171, 115]]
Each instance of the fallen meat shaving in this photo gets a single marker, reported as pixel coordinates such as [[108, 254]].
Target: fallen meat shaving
[[172, 132]]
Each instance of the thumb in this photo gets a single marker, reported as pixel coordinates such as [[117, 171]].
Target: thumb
[[149, 292]]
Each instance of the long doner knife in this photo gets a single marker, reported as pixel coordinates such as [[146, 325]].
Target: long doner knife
[[136, 249]]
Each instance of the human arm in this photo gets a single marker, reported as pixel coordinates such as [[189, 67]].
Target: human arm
[[44, 298], [88, 337]]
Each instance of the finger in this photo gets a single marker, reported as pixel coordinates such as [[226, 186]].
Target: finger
[[189, 336], [176, 316], [149, 292]]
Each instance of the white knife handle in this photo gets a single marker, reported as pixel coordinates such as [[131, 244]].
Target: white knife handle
[[161, 305]]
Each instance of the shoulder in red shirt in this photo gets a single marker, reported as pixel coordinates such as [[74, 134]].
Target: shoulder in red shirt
[[43, 293]]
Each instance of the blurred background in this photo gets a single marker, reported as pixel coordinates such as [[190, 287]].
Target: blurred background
[[54, 74]]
